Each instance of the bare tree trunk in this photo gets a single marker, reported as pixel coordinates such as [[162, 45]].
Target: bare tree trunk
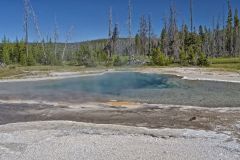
[[165, 38], [130, 29], [143, 33], [223, 33], [55, 38], [35, 21], [110, 32], [173, 33], [191, 15], [68, 37], [26, 19], [149, 34]]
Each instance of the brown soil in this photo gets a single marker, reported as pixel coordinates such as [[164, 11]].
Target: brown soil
[[140, 115]]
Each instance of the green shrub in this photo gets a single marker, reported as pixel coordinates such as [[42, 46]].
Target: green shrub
[[183, 58], [117, 61], [101, 57], [23, 59], [158, 58], [202, 60], [30, 60], [192, 58], [109, 62], [84, 57]]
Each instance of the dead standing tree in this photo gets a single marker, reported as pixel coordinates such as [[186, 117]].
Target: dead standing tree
[[56, 36], [164, 37], [29, 12], [130, 30], [68, 38], [223, 32], [150, 34], [110, 33], [36, 23], [173, 34], [26, 20], [143, 33], [191, 15], [115, 36]]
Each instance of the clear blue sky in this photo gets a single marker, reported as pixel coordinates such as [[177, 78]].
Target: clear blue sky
[[90, 17]]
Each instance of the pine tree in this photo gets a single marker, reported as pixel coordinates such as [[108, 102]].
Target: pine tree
[[14, 56], [55, 37], [115, 36], [186, 37], [22, 53], [201, 33], [218, 39], [26, 23], [143, 30], [6, 50], [229, 34], [223, 34], [150, 34], [236, 42], [130, 30], [164, 40], [207, 42], [213, 42], [191, 15], [137, 44], [110, 33], [173, 37]]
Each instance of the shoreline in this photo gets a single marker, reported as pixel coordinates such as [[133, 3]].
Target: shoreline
[[52, 76], [192, 74]]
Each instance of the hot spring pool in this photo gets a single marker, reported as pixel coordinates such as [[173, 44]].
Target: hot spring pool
[[126, 86]]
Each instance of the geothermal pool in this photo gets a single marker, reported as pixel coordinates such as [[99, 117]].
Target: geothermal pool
[[126, 86]]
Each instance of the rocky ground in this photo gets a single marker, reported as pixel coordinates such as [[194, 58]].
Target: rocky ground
[[174, 132], [73, 141], [224, 120], [49, 131]]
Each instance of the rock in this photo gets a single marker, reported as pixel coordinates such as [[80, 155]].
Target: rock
[[193, 119]]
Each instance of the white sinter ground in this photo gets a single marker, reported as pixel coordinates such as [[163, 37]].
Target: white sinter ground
[[63, 140]]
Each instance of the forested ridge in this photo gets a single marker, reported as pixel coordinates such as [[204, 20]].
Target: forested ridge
[[177, 43]]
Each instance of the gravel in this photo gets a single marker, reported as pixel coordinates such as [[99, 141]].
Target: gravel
[[64, 140]]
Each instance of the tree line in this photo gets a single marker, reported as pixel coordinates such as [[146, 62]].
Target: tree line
[[183, 44]]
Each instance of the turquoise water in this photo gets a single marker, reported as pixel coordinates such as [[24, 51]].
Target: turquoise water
[[138, 87]]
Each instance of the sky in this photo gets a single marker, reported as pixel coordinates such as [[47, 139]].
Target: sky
[[90, 17]]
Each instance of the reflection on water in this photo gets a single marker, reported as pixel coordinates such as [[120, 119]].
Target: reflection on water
[[150, 88]]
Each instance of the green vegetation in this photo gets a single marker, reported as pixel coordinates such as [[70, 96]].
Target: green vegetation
[[224, 60], [159, 59], [8, 72], [228, 64]]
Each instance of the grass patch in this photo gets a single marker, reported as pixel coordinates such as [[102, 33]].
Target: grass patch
[[22, 71], [219, 64], [226, 67], [51, 68], [64, 68], [224, 60], [8, 72], [225, 64]]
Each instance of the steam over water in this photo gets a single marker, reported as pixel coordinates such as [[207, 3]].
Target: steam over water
[[126, 86]]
